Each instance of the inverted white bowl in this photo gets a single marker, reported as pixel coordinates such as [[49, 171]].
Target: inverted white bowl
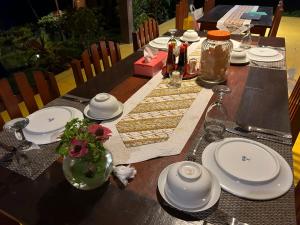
[[103, 105], [190, 35], [188, 185]]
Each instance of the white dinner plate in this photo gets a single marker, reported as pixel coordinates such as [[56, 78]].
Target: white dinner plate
[[215, 192], [255, 191], [48, 119], [263, 51], [163, 46], [275, 58], [183, 39], [247, 160], [86, 112], [161, 40], [51, 137]]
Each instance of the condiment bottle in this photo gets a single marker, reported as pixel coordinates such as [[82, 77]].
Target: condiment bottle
[[170, 64], [182, 62]]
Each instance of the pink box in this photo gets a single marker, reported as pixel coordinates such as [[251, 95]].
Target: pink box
[[151, 68]]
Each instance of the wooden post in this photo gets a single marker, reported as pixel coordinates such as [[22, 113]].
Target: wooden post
[[126, 20]]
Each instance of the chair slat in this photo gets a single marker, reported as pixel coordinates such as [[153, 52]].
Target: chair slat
[[9, 99], [276, 20], [150, 26], [54, 90], [136, 41], [85, 56], [112, 51], [43, 87], [118, 52], [76, 68], [104, 55], [146, 29], [96, 58], [294, 109], [208, 5], [1, 123], [142, 35], [26, 91]]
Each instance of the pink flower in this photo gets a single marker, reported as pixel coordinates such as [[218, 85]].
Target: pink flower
[[102, 133], [78, 148]]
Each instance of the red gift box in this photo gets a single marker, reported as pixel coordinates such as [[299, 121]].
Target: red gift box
[[150, 68]]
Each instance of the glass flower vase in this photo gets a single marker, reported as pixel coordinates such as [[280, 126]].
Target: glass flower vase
[[88, 175]]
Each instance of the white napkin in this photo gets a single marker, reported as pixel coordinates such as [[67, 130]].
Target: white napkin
[[124, 173], [149, 53]]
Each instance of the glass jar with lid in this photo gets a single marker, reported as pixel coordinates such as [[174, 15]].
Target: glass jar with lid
[[215, 57]]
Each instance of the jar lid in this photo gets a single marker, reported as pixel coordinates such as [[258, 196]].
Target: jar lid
[[219, 35]]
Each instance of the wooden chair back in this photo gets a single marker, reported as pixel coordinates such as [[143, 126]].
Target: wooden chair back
[[294, 109], [276, 20], [208, 5], [94, 60], [181, 13], [146, 32], [46, 87]]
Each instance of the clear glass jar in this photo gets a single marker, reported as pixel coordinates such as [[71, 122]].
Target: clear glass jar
[[215, 57]]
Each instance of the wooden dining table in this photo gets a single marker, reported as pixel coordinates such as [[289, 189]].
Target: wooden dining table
[[209, 20], [51, 200]]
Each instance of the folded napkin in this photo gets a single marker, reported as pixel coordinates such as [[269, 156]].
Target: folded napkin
[[124, 173]]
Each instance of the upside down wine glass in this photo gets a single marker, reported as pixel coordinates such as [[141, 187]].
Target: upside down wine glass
[[246, 39], [216, 115]]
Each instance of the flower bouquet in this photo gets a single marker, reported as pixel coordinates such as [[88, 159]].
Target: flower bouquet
[[87, 164]]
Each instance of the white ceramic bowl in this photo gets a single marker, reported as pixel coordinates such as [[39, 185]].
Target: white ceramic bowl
[[188, 185], [238, 56], [103, 105], [190, 35]]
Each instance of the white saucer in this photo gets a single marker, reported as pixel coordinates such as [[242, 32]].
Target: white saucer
[[215, 192], [247, 160], [51, 137], [275, 58], [161, 40], [183, 39], [163, 46], [117, 113], [263, 51], [48, 119], [240, 62], [256, 191]]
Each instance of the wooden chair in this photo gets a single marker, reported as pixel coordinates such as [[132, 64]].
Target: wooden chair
[[145, 33], [181, 13], [102, 56], [294, 109], [46, 87], [208, 5], [276, 20]]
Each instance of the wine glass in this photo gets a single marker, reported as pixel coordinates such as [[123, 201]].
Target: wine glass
[[17, 125], [216, 115], [246, 39]]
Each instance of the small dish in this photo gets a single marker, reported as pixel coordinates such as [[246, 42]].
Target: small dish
[[86, 112], [163, 46], [246, 160], [238, 56], [51, 137], [48, 119], [263, 51], [215, 192], [275, 58], [189, 40]]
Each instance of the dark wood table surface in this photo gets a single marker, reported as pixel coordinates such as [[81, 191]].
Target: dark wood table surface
[[51, 200], [209, 21]]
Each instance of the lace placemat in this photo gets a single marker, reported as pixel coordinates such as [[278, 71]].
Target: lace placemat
[[278, 65], [277, 211], [154, 119]]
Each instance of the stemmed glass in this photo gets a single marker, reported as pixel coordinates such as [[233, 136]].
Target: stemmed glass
[[246, 39], [216, 115], [17, 125]]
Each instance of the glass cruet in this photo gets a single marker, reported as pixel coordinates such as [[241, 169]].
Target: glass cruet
[[216, 115]]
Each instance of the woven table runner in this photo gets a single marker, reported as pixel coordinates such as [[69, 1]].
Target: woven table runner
[[276, 211], [158, 114], [231, 20]]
